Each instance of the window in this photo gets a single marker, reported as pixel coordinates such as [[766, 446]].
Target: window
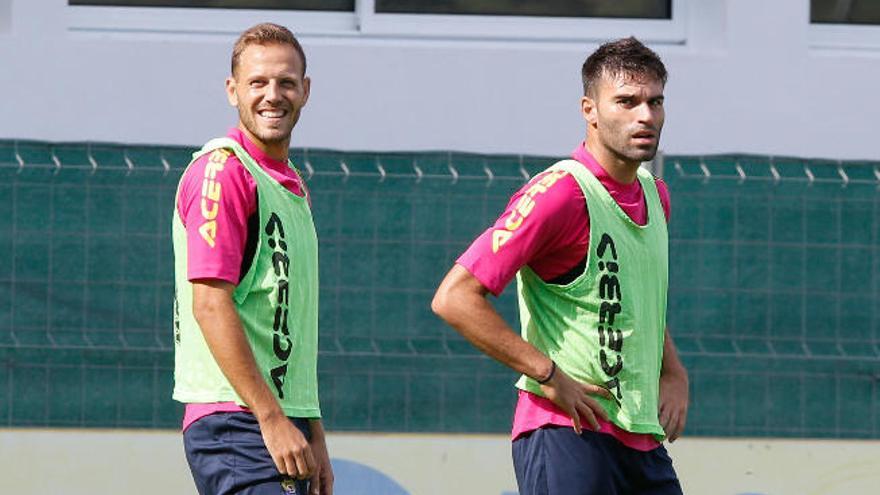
[[845, 12], [551, 20], [225, 17], [630, 9], [845, 24], [325, 5]]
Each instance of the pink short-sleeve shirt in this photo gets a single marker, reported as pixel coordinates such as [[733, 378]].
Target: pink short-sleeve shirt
[[552, 239], [218, 251]]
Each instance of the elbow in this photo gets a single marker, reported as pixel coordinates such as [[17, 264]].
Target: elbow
[[440, 303], [202, 310], [457, 293], [447, 301], [212, 302], [206, 308]]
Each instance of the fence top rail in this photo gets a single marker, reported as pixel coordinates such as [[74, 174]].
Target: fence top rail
[[431, 165]]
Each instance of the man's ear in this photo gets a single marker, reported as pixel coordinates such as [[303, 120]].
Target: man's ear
[[307, 88], [588, 110], [230, 91]]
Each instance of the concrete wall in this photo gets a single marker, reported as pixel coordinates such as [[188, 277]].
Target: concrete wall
[[746, 76], [84, 462]]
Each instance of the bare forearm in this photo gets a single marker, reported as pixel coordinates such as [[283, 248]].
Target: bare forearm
[[317, 428], [674, 385], [671, 361], [461, 302], [228, 344]]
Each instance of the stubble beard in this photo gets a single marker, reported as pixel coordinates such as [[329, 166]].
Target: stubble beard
[[642, 154], [267, 135], [619, 145]]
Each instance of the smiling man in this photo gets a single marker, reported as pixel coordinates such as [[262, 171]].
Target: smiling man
[[601, 384], [246, 289]]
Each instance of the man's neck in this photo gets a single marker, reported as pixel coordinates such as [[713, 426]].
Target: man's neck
[[276, 151], [621, 170], [280, 152]]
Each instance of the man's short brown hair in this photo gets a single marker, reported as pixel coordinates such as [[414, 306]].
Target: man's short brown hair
[[266, 34], [626, 57]]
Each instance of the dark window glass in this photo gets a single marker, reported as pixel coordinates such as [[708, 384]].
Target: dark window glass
[[334, 5], [845, 11], [635, 9]]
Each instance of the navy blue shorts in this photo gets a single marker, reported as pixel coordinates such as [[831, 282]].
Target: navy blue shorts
[[558, 461], [226, 455]]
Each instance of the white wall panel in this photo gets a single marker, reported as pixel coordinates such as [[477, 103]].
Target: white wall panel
[[751, 76], [74, 462]]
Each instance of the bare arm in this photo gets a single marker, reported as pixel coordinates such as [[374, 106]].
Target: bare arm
[[461, 301], [215, 312], [673, 390], [322, 478]]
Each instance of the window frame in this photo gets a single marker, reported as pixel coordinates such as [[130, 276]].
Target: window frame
[[844, 36], [194, 20], [364, 22], [489, 27]]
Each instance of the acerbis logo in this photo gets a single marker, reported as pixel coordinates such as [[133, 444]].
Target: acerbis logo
[[281, 344], [210, 203], [523, 208]]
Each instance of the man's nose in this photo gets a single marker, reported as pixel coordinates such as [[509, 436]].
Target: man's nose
[[273, 91], [646, 114]]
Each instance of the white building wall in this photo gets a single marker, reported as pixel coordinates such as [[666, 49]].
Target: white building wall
[[747, 78]]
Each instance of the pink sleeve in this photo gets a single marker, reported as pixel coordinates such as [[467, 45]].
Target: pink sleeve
[[663, 192], [217, 195], [536, 221]]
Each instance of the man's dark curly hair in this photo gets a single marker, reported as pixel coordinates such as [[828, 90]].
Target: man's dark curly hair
[[624, 57]]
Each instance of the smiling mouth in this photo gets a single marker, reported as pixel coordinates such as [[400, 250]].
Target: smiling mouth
[[272, 113]]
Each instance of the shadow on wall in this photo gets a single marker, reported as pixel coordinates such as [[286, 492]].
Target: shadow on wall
[[354, 478], [358, 479]]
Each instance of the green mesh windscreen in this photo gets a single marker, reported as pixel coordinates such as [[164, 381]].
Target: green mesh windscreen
[[774, 270], [774, 294]]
